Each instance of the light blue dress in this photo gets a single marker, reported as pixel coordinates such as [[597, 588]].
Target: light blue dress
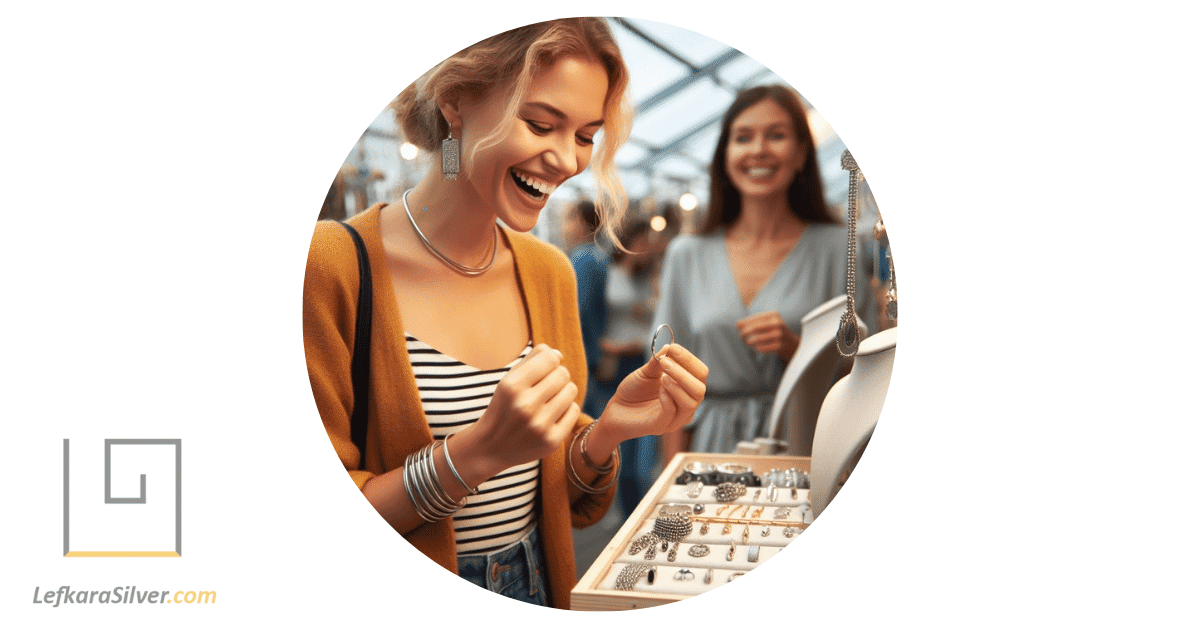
[[700, 301]]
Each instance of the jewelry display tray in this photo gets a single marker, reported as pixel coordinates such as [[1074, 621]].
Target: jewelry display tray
[[596, 590]]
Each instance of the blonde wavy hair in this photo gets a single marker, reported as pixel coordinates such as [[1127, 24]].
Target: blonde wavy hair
[[509, 62]]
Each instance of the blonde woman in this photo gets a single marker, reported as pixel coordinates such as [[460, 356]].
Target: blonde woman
[[476, 450]]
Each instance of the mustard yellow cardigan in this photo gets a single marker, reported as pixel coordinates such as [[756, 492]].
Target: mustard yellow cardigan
[[396, 423]]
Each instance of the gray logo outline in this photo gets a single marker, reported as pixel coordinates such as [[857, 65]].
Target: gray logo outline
[[109, 499]]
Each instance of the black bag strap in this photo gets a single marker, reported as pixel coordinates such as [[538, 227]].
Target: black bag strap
[[360, 362]]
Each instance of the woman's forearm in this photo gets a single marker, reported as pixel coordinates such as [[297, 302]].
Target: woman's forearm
[[390, 496]]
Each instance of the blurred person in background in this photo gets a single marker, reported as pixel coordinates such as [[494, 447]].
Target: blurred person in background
[[580, 230], [630, 298], [767, 253]]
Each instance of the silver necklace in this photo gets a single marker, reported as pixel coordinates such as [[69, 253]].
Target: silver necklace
[[847, 338], [466, 270], [891, 296]]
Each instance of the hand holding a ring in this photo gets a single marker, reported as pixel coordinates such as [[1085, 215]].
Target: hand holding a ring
[[660, 397]]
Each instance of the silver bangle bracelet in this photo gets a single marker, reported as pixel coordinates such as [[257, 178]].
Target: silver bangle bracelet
[[573, 475], [413, 488], [408, 489], [441, 498], [602, 469], [450, 463], [428, 496], [426, 509]]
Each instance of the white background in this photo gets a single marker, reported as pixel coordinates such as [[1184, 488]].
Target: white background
[[162, 167]]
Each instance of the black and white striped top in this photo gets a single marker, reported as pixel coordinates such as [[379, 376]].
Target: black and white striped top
[[454, 395]]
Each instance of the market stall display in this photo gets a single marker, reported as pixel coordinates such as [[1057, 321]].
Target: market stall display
[[708, 520]]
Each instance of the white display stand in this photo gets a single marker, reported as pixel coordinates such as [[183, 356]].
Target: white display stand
[[807, 379], [848, 417]]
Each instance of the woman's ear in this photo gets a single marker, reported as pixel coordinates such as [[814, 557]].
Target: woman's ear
[[451, 112]]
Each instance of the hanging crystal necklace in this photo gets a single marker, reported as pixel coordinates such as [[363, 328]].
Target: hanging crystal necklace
[[891, 296], [847, 338], [466, 270]]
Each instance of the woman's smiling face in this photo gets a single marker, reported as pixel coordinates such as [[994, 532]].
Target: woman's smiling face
[[764, 155], [549, 140]]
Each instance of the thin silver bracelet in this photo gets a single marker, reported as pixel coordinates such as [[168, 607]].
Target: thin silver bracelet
[[408, 489], [414, 491], [441, 498], [413, 474], [450, 463], [428, 496], [573, 476], [583, 452]]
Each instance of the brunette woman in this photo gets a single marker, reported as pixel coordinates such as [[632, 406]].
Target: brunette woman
[[767, 253], [476, 450]]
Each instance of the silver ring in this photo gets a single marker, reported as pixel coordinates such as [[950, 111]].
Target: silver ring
[[684, 574], [698, 468], [667, 510], [733, 469], [654, 340], [736, 575]]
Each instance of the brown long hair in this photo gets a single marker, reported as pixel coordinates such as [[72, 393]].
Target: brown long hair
[[805, 195], [508, 62]]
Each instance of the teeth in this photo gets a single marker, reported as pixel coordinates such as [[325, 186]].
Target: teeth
[[540, 186], [760, 172]]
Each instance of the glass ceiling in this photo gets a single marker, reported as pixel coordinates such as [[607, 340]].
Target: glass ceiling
[[680, 84]]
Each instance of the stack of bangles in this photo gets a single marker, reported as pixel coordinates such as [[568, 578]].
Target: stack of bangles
[[425, 491], [614, 461]]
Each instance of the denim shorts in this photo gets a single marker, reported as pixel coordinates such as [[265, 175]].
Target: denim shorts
[[516, 571]]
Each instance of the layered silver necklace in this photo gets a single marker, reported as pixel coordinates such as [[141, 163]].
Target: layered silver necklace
[[466, 270]]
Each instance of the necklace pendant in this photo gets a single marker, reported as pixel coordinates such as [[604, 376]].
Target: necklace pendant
[[847, 337]]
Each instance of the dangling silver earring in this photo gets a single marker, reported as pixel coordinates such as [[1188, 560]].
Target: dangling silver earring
[[450, 154]]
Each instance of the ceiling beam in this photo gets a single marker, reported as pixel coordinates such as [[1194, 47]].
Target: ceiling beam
[[659, 153], [697, 72], [646, 37], [708, 70], [656, 154]]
